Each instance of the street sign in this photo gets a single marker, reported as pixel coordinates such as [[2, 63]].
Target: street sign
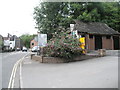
[[42, 40], [71, 27]]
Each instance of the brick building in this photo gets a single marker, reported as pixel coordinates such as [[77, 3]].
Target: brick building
[[34, 42], [98, 35]]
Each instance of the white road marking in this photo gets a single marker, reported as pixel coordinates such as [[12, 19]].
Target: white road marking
[[21, 81], [27, 62], [13, 74]]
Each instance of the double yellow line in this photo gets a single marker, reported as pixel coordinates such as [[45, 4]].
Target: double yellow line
[[13, 74]]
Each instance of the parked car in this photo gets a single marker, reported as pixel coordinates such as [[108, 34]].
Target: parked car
[[18, 49], [35, 49], [24, 49]]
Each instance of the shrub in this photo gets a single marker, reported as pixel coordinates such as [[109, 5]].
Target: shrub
[[63, 45]]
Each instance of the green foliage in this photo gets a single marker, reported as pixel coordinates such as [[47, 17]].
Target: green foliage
[[63, 45], [26, 38], [112, 15], [50, 15], [1, 43]]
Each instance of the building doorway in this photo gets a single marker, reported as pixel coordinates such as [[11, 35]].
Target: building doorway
[[98, 42], [116, 42]]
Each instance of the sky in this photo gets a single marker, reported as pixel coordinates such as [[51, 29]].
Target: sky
[[16, 17]]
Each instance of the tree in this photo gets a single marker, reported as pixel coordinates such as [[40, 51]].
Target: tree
[[50, 15], [1, 43], [47, 17], [111, 15], [26, 38]]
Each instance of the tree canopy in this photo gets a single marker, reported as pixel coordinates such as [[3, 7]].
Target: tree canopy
[[26, 38], [51, 15]]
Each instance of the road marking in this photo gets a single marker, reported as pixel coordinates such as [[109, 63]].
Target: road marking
[[13, 74], [21, 82], [27, 62]]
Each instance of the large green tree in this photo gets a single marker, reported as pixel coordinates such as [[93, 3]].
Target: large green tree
[[50, 15], [26, 38]]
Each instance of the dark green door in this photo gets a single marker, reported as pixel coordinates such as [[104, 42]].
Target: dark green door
[[116, 43], [98, 42]]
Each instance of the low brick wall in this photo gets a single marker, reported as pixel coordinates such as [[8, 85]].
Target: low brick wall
[[60, 60], [36, 57], [85, 57], [54, 60]]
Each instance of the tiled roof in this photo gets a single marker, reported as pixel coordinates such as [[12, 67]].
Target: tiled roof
[[5, 38], [94, 28]]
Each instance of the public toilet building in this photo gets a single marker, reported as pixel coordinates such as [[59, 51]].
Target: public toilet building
[[98, 35]]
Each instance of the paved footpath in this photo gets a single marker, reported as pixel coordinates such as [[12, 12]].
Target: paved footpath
[[93, 73]]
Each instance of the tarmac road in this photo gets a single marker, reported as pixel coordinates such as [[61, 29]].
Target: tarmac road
[[93, 73], [8, 60]]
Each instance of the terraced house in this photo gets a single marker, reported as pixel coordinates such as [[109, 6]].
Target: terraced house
[[12, 42]]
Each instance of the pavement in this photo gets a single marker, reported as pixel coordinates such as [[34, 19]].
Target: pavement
[[93, 73]]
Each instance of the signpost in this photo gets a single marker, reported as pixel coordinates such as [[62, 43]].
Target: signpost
[[42, 41]]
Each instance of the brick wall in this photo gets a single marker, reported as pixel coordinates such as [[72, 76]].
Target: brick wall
[[61, 60], [35, 43], [90, 43], [48, 59], [107, 43]]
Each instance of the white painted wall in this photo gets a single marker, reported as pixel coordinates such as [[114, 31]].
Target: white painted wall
[[6, 42], [12, 44]]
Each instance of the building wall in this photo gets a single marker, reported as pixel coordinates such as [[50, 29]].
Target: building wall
[[90, 43], [12, 44], [17, 43], [86, 42], [35, 43], [107, 43]]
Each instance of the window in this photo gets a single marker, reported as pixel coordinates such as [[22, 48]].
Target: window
[[32, 43], [82, 35], [108, 37], [91, 36]]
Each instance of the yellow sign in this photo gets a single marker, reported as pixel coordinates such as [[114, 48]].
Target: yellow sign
[[82, 41]]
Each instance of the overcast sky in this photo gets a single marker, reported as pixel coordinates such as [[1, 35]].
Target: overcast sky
[[16, 17]]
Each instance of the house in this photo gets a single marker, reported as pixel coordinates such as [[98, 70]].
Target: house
[[6, 43], [42, 41], [17, 43], [34, 42], [12, 42], [98, 35]]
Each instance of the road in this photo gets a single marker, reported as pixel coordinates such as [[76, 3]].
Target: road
[[0, 71], [8, 61], [93, 73]]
